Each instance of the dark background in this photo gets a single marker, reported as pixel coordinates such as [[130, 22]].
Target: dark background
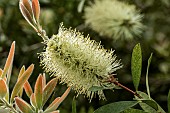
[[155, 39]]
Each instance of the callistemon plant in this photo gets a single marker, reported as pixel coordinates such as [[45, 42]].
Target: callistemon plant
[[42, 91], [73, 58]]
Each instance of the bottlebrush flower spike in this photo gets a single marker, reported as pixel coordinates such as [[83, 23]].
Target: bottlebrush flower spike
[[78, 61]]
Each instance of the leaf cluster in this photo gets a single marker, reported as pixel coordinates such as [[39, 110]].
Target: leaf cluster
[[42, 91]]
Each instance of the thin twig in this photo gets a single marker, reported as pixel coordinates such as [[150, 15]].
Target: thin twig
[[114, 81]]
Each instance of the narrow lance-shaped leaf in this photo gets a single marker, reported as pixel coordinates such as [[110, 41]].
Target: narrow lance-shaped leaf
[[74, 106], [169, 102], [9, 73], [136, 65], [23, 106], [49, 88], [1, 72], [54, 105], [36, 9], [9, 60], [147, 80], [44, 80], [54, 102], [27, 4], [116, 107], [26, 15], [28, 89], [20, 73], [32, 100], [21, 82], [7, 94], [147, 104], [151, 103], [3, 89], [22, 70], [38, 90]]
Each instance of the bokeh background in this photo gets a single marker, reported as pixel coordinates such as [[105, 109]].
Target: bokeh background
[[155, 39]]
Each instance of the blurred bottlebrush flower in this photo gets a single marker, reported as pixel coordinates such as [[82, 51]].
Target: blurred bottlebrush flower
[[114, 19], [78, 61]]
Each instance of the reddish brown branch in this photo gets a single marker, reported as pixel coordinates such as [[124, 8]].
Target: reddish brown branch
[[114, 81]]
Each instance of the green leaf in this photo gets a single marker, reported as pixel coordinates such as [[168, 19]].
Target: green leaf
[[151, 103], [28, 89], [90, 110], [38, 90], [32, 100], [23, 105], [4, 88], [22, 70], [74, 106], [54, 105], [136, 65], [49, 88], [147, 80], [131, 110], [148, 106], [96, 88], [36, 9], [116, 107], [21, 81], [9, 61], [169, 102]]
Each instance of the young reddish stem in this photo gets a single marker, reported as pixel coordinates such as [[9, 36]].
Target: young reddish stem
[[114, 81]]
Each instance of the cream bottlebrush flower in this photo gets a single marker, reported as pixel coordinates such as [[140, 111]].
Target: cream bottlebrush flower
[[78, 61], [114, 18], [74, 59]]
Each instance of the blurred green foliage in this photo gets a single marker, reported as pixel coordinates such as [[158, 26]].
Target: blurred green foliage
[[155, 38]]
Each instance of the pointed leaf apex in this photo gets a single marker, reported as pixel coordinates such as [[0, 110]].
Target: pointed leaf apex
[[39, 91], [9, 60]]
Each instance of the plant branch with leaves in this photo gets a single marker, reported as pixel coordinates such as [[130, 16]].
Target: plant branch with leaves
[[86, 66]]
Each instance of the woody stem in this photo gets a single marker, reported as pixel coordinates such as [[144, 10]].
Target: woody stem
[[112, 80]]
